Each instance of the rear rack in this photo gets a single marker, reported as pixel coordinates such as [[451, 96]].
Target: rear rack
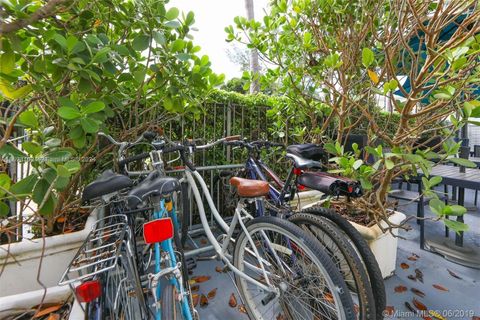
[[100, 250]]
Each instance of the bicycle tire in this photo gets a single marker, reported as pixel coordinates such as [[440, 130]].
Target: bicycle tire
[[339, 294], [344, 254], [170, 306], [361, 245]]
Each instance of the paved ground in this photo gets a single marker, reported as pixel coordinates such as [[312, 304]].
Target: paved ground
[[461, 301]]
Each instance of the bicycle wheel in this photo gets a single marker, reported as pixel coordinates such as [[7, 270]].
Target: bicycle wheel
[[171, 307], [363, 250], [307, 282], [345, 257]]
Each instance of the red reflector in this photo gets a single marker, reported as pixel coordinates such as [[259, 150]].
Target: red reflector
[[297, 171], [301, 187], [88, 291], [350, 189], [158, 230]]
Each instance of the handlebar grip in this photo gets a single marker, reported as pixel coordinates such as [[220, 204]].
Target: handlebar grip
[[173, 149], [149, 135], [234, 143], [137, 157], [231, 138]]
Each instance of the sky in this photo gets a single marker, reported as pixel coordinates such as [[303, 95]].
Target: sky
[[211, 18]]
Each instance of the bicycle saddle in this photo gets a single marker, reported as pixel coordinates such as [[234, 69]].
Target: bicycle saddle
[[108, 182], [309, 151], [302, 163], [153, 185], [330, 184], [249, 188]]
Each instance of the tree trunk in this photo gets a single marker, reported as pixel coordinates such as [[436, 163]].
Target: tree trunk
[[254, 65]]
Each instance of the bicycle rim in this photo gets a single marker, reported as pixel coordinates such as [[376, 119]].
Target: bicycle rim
[[307, 282]]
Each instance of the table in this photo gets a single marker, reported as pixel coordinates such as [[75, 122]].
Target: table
[[470, 179]]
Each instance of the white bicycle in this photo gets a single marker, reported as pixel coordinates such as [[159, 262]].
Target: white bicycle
[[280, 270]]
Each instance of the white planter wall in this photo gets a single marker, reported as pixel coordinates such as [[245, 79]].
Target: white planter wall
[[306, 199], [18, 282], [383, 245]]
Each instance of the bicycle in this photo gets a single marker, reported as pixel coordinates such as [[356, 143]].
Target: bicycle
[[271, 256], [353, 257], [158, 189]]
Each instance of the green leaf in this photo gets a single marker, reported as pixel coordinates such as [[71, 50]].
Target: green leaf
[[4, 209], [76, 132], [94, 107], [455, 225], [71, 42], [463, 162], [72, 165], [58, 156], [60, 40], [62, 171], [141, 43], [357, 164], [7, 62], [437, 206], [367, 57], [29, 119], [32, 148], [9, 152], [69, 113], [25, 186], [173, 24], [40, 190], [389, 164], [53, 142], [159, 37], [5, 183], [178, 45], [455, 210], [435, 181], [172, 13], [89, 125]]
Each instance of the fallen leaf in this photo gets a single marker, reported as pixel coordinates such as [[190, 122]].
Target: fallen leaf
[[389, 310], [356, 308], [426, 318], [419, 305], [409, 307], [436, 315], [419, 275], [200, 279], [453, 274], [232, 302], [47, 310], [212, 294], [61, 219], [195, 298], [413, 257], [400, 289], [440, 287], [418, 292], [404, 265], [412, 277], [329, 297], [203, 301], [280, 317], [53, 316], [203, 241], [195, 288], [242, 308], [219, 269], [475, 318]]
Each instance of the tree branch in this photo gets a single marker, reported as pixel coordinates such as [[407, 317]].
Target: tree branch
[[46, 11]]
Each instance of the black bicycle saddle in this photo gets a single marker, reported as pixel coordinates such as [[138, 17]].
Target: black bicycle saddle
[[106, 183], [153, 185], [309, 151]]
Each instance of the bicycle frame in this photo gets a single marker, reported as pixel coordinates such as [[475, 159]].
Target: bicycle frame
[[160, 211], [240, 214], [255, 170]]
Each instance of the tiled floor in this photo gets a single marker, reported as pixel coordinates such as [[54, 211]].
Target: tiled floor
[[461, 301]]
